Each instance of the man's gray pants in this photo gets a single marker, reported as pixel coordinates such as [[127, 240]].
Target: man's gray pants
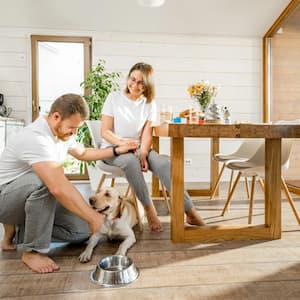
[[27, 203]]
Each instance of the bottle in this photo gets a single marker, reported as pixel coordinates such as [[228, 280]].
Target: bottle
[[227, 115]]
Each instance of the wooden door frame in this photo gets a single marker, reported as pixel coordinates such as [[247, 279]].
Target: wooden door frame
[[267, 43], [87, 42], [267, 39]]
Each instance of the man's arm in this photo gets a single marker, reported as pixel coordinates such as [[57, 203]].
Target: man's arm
[[97, 154], [52, 174]]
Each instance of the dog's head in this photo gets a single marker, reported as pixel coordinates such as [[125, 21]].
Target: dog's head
[[107, 201]]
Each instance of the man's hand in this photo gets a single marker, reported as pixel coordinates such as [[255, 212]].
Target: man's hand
[[96, 222]]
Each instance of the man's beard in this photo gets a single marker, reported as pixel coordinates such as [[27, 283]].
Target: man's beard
[[62, 136]]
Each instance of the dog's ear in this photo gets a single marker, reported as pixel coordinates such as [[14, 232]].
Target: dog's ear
[[121, 204]]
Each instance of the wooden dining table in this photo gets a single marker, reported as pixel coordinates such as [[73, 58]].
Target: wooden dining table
[[272, 133]]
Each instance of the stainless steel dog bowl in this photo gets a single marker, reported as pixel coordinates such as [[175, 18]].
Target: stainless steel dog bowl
[[115, 270]]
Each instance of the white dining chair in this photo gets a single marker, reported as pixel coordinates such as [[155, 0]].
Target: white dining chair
[[245, 151], [255, 167]]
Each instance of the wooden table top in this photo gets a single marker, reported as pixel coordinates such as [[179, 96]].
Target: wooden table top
[[242, 130]]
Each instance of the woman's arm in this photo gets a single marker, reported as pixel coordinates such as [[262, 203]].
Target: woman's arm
[[146, 138], [146, 143], [107, 132]]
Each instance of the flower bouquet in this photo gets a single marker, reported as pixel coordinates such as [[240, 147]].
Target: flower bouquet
[[203, 92]]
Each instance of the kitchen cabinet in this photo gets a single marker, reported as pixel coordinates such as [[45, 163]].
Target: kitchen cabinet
[[8, 128]]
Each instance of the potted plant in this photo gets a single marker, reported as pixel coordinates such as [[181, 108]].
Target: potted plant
[[98, 84]]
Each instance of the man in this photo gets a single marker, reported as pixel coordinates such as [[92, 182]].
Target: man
[[35, 195]]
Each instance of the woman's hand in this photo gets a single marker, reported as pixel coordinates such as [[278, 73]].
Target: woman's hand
[[143, 161]]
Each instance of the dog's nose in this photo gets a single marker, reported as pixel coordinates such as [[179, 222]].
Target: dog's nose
[[92, 201]]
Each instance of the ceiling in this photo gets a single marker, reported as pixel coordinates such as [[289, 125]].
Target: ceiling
[[205, 17]]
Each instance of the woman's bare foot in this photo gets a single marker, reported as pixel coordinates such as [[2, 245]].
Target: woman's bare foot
[[9, 233], [193, 218], [153, 220], [39, 263]]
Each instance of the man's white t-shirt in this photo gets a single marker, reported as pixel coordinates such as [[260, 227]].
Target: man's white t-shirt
[[129, 116], [35, 143]]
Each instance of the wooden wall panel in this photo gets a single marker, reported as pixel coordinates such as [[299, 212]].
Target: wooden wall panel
[[286, 85]]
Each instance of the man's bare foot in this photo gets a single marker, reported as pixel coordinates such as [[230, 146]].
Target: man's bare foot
[[193, 218], [153, 220], [9, 233], [39, 263]]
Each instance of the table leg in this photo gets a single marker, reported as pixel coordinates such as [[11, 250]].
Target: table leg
[[155, 181], [214, 165], [273, 186], [177, 189]]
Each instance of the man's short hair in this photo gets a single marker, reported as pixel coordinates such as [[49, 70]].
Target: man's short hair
[[70, 104]]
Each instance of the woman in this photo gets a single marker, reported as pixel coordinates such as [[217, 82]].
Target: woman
[[127, 117]]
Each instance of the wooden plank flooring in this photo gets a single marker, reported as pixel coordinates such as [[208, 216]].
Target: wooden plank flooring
[[221, 270]]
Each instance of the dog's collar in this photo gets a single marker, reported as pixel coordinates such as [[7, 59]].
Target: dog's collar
[[118, 216]]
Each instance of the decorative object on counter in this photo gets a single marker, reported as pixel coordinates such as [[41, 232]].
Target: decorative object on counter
[[190, 115], [5, 111], [202, 93], [166, 114], [213, 113], [226, 115], [176, 120]]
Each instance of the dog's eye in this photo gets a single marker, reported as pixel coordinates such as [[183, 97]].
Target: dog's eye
[[107, 194]]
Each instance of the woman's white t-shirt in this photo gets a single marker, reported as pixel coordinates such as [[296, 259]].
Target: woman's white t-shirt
[[129, 116]]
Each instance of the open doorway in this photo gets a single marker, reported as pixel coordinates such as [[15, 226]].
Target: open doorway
[[59, 65]]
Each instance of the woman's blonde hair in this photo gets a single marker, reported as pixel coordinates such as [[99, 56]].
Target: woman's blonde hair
[[148, 80]]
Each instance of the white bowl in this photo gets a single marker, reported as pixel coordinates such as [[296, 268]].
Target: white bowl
[[115, 270]]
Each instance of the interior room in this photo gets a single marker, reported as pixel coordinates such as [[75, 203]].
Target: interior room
[[249, 51]]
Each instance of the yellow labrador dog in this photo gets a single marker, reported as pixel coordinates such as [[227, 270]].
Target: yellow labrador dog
[[120, 218]]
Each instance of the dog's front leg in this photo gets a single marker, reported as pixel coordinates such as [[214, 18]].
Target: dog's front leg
[[125, 232], [86, 255]]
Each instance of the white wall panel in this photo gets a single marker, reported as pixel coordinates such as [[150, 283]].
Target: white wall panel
[[234, 63]]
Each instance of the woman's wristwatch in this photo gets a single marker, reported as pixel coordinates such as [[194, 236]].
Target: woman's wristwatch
[[114, 150]]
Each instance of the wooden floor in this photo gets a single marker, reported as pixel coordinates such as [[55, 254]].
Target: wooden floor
[[221, 270]]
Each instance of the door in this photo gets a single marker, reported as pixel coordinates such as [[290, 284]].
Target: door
[[59, 65]]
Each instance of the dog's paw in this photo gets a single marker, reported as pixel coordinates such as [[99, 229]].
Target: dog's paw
[[85, 256], [121, 252]]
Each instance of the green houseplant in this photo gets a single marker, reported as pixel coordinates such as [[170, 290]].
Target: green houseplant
[[98, 84]]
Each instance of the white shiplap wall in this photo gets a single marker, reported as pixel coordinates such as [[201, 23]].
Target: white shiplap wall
[[234, 63]]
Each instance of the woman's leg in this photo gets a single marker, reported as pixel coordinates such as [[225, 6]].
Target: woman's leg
[[161, 167], [131, 167]]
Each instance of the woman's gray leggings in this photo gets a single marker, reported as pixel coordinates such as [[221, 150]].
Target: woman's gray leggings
[[158, 164], [40, 219]]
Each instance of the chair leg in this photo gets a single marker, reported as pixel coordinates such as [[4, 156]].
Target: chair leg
[[289, 197], [135, 202], [217, 183], [112, 183], [231, 193], [262, 184], [247, 187], [230, 183], [100, 183], [164, 192], [251, 200], [127, 191]]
